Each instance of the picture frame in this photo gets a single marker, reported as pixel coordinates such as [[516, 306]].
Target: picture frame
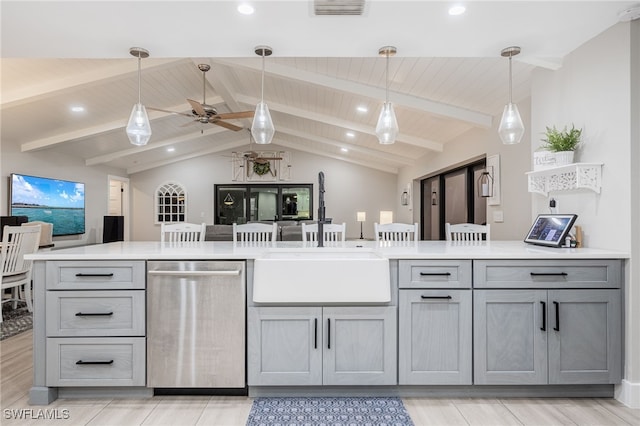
[[550, 229]]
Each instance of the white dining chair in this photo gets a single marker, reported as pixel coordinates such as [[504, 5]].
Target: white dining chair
[[255, 233], [182, 232], [397, 232], [332, 232], [17, 241], [467, 232]]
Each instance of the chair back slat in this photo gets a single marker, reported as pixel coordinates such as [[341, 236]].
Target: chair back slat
[[332, 232], [255, 233], [17, 241], [182, 232], [396, 232], [467, 232]]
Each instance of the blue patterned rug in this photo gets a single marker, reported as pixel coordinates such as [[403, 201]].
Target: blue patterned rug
[[328, 411]]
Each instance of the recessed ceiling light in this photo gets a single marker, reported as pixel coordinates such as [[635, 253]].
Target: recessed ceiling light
[[458, 9], [350, 134], [245, 9], [344, 150], [171, 149], [362, 108], [77, 108]]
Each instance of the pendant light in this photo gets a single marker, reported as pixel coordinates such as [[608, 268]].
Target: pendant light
[[387, 127], [139, 128], [511, 128], [262, 128]]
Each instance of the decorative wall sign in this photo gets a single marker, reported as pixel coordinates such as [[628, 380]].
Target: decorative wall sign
[[260, 166]]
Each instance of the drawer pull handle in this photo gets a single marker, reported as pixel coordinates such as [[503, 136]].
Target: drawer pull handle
[[315, 334], [557, 306], [328, 333], [94, 314], [544, 316], [81, 362], [552, 274], [220, 273], [435, 297], [429, 274], [80, 274]]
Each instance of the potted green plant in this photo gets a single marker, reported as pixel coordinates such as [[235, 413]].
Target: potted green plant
[[563, 143]]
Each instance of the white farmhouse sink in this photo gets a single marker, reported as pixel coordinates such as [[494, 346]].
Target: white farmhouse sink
[[321, 276]]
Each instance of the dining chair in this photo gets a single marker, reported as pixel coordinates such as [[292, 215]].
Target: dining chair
[[332, 232], [255, 233], [17, 241], [182, 232], [46, 233], [403, 232], [467, 232]]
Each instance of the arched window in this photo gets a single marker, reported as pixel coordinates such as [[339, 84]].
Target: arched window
[[171, 203]]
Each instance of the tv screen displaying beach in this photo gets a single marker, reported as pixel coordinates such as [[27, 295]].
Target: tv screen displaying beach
[[58, 202]]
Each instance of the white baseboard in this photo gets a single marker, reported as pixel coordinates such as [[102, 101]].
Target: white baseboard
[[628, 393]]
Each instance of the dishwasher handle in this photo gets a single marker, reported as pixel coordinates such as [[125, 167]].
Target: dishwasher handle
[[197, 273]]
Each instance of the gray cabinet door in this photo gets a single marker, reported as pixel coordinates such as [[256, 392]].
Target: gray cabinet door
[[284, 346], [510, 335], [584, 336], [360, 345], [434, 337]]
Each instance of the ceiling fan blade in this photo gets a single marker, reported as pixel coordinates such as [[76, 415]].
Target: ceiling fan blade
[[226, 125], [170, 112], [197, 107], [235, 115]]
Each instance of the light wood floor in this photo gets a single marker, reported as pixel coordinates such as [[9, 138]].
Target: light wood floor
[[16, 377]]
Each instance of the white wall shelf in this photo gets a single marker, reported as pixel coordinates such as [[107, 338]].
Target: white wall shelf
[[571, 176]]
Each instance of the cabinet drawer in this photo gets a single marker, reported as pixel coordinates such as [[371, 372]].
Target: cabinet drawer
[[96, 313], [547, 273], [435, 273], [98, 275], [96, 361]]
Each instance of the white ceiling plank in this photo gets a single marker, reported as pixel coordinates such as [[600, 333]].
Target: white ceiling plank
[[87, 132], [101, 159], [333, 121], [73, 82], [356, 148], [370, 165], [218, 148], [432, 107]]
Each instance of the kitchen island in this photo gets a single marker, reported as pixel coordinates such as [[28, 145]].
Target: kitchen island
[[473, 319]]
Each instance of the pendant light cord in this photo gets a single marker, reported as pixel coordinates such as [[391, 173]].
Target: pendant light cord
[[139, 84], [262, 90], [510, 80], [387, 85]]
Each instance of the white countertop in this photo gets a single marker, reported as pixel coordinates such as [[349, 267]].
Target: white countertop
[[143, 250]]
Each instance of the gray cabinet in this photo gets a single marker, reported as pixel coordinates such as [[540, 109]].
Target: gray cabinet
[[554, 335], [435, 322], [95, 323], [322, 345]]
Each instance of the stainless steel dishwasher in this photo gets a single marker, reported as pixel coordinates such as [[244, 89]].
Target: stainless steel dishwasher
[[196, 324]]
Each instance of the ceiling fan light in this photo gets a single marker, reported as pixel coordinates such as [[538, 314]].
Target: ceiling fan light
[[511, 128], [262, 128], [387, 128], [139, 128]]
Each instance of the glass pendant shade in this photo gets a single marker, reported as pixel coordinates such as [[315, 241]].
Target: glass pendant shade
[[262, 128], [511, 128], [139, 128], [387, 128]]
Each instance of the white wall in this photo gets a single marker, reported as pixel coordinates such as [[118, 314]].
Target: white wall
[[349, 188], [514, 162], [598, 89], [52, 164]]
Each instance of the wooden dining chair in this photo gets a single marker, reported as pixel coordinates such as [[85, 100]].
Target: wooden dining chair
[[332, 232], [467, 232], [182, 232], [399, 232], [255, 233], [17, 241]]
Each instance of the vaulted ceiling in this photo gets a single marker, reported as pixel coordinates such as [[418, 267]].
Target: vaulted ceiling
[[447, 78]]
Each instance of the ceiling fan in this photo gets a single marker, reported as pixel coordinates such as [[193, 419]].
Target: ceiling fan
[[204, 113], [254, 157]]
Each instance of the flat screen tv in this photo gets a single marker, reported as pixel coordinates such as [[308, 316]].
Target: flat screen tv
[[59, 202]]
